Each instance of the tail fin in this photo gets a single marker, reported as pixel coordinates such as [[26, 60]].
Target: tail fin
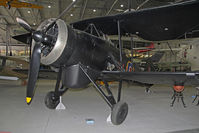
[[151, 46], [148, 48]]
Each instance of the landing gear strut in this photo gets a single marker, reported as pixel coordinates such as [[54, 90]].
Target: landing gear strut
[[52, 98], [119, 109]]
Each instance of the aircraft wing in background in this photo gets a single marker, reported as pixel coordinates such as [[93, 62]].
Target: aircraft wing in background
[[12, 68]]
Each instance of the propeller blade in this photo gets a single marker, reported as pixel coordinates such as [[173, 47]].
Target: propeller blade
[[33, 72], [24, 24], [25, 38]]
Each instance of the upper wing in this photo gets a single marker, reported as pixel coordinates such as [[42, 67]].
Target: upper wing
[[155, 24], [154, 77]]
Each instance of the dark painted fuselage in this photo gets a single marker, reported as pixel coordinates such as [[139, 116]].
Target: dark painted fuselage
[[88, 50]]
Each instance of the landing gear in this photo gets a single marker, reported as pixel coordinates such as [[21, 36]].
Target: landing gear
[[119, 113], [119, 110], [148, 86], [51, 100]]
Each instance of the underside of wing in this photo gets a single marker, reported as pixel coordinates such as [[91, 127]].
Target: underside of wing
[[3, 3], [169, 78], [160, 23], [19, 4]]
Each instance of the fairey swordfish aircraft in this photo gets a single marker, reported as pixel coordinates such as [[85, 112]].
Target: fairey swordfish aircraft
[[81, 55]]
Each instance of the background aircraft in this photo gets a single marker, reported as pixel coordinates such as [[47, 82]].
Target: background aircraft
[[18, 4], [14, 68], [82, 56], [190, 53], [145, 49], [7, 66]]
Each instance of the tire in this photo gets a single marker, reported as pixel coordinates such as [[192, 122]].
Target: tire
[[119, 113], [51, 101]]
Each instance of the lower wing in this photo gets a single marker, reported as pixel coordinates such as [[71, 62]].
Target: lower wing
[[154, 77]]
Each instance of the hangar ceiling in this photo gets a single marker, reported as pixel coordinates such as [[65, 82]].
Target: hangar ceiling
[[52, 8]]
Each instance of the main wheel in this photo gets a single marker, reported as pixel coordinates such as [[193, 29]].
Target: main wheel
[[119, 113], [51, 100]]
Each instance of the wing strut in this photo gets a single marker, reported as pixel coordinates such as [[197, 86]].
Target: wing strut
[[121, 67], [120, 42], [109, 99], [132, 46], [119, 110]]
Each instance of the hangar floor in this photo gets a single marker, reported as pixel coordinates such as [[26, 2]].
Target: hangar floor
[[148, 113]]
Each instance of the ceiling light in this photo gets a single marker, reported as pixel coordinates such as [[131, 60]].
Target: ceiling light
[[34, 23], [121, 5], [94, 10], [28, 11], [71, 14], [74, 0], [49, 6], [137, 32], [166, 29]]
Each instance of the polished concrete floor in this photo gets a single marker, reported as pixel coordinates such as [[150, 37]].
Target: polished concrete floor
[[148, 113]]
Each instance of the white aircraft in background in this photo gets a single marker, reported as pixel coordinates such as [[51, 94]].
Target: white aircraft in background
[[191, 54]]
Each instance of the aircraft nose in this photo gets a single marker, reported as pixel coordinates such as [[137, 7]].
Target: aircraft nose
[[38, 36]]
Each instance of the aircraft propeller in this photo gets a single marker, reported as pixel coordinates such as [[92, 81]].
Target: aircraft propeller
[[24, 24], [37, 36], [40, 37]]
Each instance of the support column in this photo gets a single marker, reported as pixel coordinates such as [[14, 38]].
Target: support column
[[7, 39]]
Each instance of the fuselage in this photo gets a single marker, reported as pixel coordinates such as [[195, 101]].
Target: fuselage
[[73, 48]]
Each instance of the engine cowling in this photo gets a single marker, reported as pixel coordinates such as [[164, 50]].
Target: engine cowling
[[52, 52]]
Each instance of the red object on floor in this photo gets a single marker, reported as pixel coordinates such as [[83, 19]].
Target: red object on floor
[[178, 88]]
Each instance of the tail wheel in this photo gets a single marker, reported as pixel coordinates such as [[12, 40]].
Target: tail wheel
[[119, 113], [51, 100]]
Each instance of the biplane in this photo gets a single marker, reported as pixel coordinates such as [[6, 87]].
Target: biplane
[[81, 55]]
